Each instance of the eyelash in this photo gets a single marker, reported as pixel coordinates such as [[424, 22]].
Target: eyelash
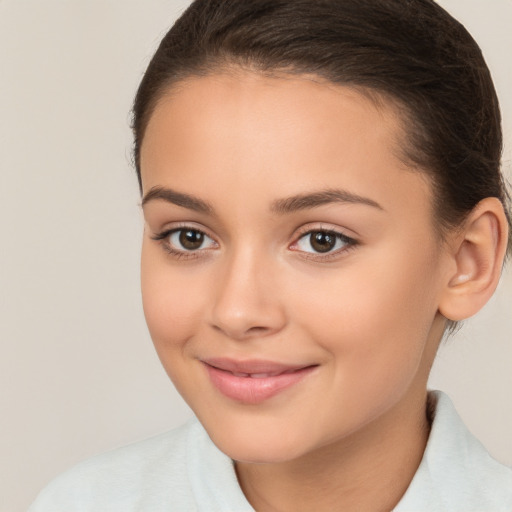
[[176, 253], [349, 243]]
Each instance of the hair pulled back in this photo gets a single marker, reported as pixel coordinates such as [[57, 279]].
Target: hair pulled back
[[410, 51]]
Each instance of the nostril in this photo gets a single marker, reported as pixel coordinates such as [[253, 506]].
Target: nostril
[[257, 329], [242, 333]]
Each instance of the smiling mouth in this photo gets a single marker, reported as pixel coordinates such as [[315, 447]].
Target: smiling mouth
[[253, 382], [258, 375]]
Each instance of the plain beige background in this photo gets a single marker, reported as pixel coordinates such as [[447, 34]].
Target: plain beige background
[[78, 374]]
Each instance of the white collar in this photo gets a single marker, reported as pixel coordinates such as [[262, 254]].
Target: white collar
[[456, 473]]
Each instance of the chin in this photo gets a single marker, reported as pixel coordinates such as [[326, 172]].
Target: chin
[[259, 446], [257, 454]]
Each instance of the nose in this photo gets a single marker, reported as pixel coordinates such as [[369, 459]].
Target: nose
[[247, 300]]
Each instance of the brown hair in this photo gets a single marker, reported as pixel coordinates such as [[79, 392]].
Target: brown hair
[[411, 51]]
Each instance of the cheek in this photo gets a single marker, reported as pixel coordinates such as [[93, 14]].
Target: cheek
[[369, 301], [373, 317], [171, 300]]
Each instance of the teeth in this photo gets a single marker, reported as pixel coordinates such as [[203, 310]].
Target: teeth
[[255, 375], [260, 375]]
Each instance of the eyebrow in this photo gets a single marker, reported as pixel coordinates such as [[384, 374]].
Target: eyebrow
[[178, 198], [280, 206], [315, 199]]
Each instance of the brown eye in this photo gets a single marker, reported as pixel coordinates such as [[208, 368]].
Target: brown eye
[[185, 242], [322, 241], [190, 239]]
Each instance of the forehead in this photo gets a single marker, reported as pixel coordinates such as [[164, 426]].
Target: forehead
[[248, 130], [275, 110]]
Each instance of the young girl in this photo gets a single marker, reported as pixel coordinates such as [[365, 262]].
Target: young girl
[[323, 201]]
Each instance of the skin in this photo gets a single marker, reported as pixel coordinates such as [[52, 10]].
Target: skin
[[368, 315]]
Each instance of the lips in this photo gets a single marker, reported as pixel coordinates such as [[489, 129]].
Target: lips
[[254, 381]]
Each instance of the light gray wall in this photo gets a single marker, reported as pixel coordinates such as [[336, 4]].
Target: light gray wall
[[78, 374]]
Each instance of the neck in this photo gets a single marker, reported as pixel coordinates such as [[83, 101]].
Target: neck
[[368, 471]]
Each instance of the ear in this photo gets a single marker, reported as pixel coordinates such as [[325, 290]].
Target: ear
[[477, 255]]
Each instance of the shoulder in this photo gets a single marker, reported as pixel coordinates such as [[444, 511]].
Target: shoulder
[[181, 470], [456, 472], [154, 470]]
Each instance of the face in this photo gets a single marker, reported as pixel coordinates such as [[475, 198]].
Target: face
[[290, 270]]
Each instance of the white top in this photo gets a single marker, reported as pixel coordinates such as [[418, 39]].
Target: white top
[[183, 471]]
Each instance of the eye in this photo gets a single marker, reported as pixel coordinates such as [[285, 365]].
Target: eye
[[323, 241], [189, 239], [185, 240]]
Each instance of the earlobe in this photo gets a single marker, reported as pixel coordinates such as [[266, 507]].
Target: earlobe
[[478, 254]]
